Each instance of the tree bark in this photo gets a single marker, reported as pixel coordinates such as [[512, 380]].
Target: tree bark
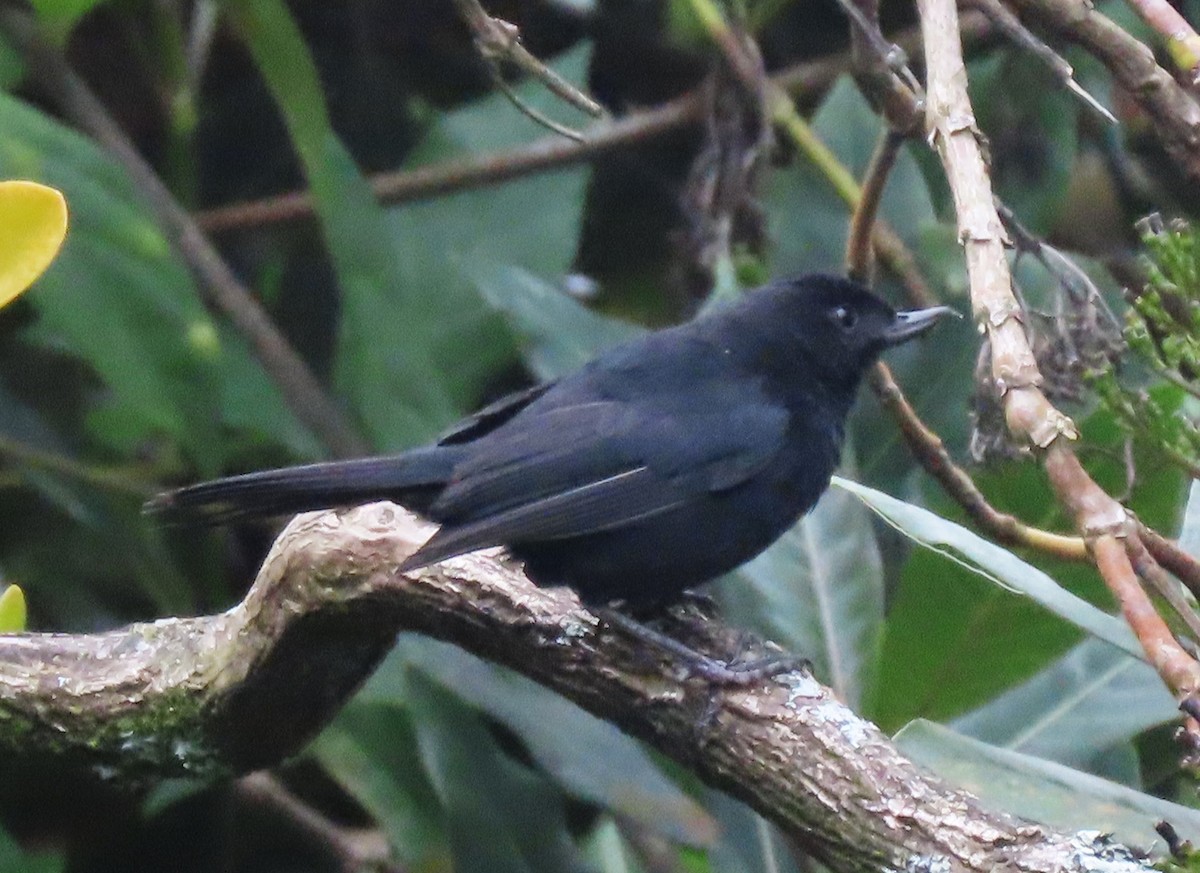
[[234, 692]]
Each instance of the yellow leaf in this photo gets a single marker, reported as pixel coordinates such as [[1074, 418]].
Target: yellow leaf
[[12, 610], [33, 225]]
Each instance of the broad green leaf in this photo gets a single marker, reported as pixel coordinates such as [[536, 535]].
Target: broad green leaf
[[12, 64], [749, 843], [371, 750], [589, 757], [994, 563], [14, 860], [606, 850], [809, 220], [116, 296], [33, 225], [449, 245], [819, 592], [1043, 791], [501, 816], [13, 613], [954, 641], [1088, 701], [59, 17], [385, 363], [24, 426], [251, 403], [556, 333]]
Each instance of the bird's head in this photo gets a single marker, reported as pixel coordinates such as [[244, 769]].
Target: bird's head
[[833, 328]]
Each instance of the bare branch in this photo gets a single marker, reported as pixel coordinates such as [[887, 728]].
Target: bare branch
[[1183, 44], [1018, 33], [1174, 112], [218, 694], [422, 183], [499, 40], [1029, 414], [864, 216]]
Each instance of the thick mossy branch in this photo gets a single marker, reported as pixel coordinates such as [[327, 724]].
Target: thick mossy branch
[[247, 688]]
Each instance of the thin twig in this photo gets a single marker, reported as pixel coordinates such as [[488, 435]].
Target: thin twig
[[1029, 414], [881, 70], [1173, 111], [1183, 44], [110, 479], [1011, 26], [422, 183], [354, 848], [498, 40], [448, 177], [534, 115], [864, 216], [1152, 573], [892, 251], [866, 31], [1183, 566], [927, 447], [933, 456], [217, 283]]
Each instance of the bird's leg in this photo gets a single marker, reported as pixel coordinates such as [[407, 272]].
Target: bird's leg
[[697, 663], [694, 614], [700, 603]]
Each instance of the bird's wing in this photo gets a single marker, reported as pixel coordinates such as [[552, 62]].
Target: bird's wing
[[612, 502], [493, 415], [586, 468]]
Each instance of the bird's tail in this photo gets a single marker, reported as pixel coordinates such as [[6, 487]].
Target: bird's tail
[[412, 479]]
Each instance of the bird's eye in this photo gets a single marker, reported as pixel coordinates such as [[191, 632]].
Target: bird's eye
[[845, 318]]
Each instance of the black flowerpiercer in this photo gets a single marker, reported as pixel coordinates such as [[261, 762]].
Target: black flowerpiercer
[[661, 464]]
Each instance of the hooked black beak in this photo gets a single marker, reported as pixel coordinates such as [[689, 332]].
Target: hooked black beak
[[912, 322]]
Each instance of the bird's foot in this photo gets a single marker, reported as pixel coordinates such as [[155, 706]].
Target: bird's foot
[[698, 603], [698, 664], [742, 673]]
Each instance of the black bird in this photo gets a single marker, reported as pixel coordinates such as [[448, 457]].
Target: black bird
[[658, 466]]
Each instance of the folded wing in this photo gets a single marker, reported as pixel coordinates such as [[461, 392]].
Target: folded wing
[[581, 469]]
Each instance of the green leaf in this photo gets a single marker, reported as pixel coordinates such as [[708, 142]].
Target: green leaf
[[385, 362], [1090, 700], [556, 333], [994, 563], [590, 758], [450, 245], [501, 816], [749, 843], [116, 296], [251, 403], [13, 614], [371, 750], [1043, 791], [810, 221], [14, 860], [607, 851], [819, 592], [59, 17]]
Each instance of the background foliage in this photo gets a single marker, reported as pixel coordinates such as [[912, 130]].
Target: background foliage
[[115, 381]]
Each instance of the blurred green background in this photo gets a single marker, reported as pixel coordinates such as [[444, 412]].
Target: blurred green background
[[116, 381]]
